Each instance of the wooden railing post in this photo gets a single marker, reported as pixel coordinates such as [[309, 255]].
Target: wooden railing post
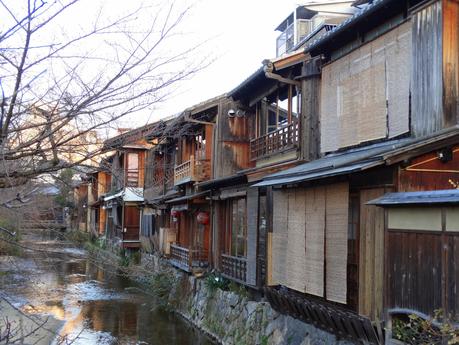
[[192, 167]]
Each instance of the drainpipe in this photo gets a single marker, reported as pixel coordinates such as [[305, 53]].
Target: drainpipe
[[269, 67]]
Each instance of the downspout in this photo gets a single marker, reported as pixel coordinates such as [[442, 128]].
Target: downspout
[[268, 68]]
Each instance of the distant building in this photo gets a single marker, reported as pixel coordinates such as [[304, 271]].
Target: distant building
[[314, 18]]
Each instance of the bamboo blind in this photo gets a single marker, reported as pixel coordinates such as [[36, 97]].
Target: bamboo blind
[[315, 240], [398, 48], [309, 229], [337, 209], [296, 241], [367, 92]]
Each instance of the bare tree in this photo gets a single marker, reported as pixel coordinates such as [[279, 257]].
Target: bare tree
[[58, 87]]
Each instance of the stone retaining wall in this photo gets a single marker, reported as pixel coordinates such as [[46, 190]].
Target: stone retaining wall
[[233, 318]]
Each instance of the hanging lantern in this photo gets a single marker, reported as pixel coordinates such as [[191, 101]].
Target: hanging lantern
[[203, 218], [174, 213]]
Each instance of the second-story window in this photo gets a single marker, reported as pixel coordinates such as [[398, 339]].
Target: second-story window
[[277, 117], [132, 170], [283, 111], [200, 141]]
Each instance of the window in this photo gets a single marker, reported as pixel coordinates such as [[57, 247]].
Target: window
[[285, 41], [423, 218], [284, 110], [414, 218], [132, 170], [277, 117], [200, 150], [236, 227]]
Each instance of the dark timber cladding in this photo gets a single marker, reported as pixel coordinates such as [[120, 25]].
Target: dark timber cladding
[[426, 90], [435, 74], [422, 267], [451, 60]]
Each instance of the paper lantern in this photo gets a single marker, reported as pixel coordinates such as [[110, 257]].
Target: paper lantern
[[203, 218]]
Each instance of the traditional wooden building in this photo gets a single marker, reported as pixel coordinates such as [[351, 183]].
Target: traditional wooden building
[[100, 184], [196, 154], [123, 202], [273, 127], [349, 246], [79, 216], [156, 233], [328, 177]]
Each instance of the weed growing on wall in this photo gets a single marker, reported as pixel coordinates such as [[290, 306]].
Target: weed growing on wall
[[418, 331]]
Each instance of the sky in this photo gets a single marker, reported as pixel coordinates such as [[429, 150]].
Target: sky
[[239, 34], [243, 36], [235, 35]]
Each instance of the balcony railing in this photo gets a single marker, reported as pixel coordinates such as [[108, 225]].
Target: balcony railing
[[186, 258], [280, 140], [192, 170], [234, 267]]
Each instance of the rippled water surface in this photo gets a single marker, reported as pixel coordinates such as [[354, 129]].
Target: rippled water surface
[[93, 305]]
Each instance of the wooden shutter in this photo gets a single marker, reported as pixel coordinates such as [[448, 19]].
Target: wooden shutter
[[252, 235]]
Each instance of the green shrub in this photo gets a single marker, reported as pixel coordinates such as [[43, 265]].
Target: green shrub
[[214, 281], [78, 237], [418, 331], [124, 258], [239, 289], [160, 285]]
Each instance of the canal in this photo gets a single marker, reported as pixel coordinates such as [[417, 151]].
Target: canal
[[59, 291]]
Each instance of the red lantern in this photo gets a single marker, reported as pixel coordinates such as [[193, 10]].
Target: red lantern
[[174, 213], [203, 218]]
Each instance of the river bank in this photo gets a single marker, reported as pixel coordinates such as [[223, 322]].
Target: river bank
[[231, 315], [82, 301]]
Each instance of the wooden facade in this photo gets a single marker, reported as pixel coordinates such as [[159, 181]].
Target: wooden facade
[[395, 80], [273, 185]]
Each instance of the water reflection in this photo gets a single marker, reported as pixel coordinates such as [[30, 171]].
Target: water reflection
[[94, 303]]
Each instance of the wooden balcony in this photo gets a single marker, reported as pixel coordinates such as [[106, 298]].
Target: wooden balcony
[[159, 186], [234, 268], [187, 259], [194, 170], [280, 140]]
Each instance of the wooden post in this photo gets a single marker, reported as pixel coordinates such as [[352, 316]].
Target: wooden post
[[309, 117]]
